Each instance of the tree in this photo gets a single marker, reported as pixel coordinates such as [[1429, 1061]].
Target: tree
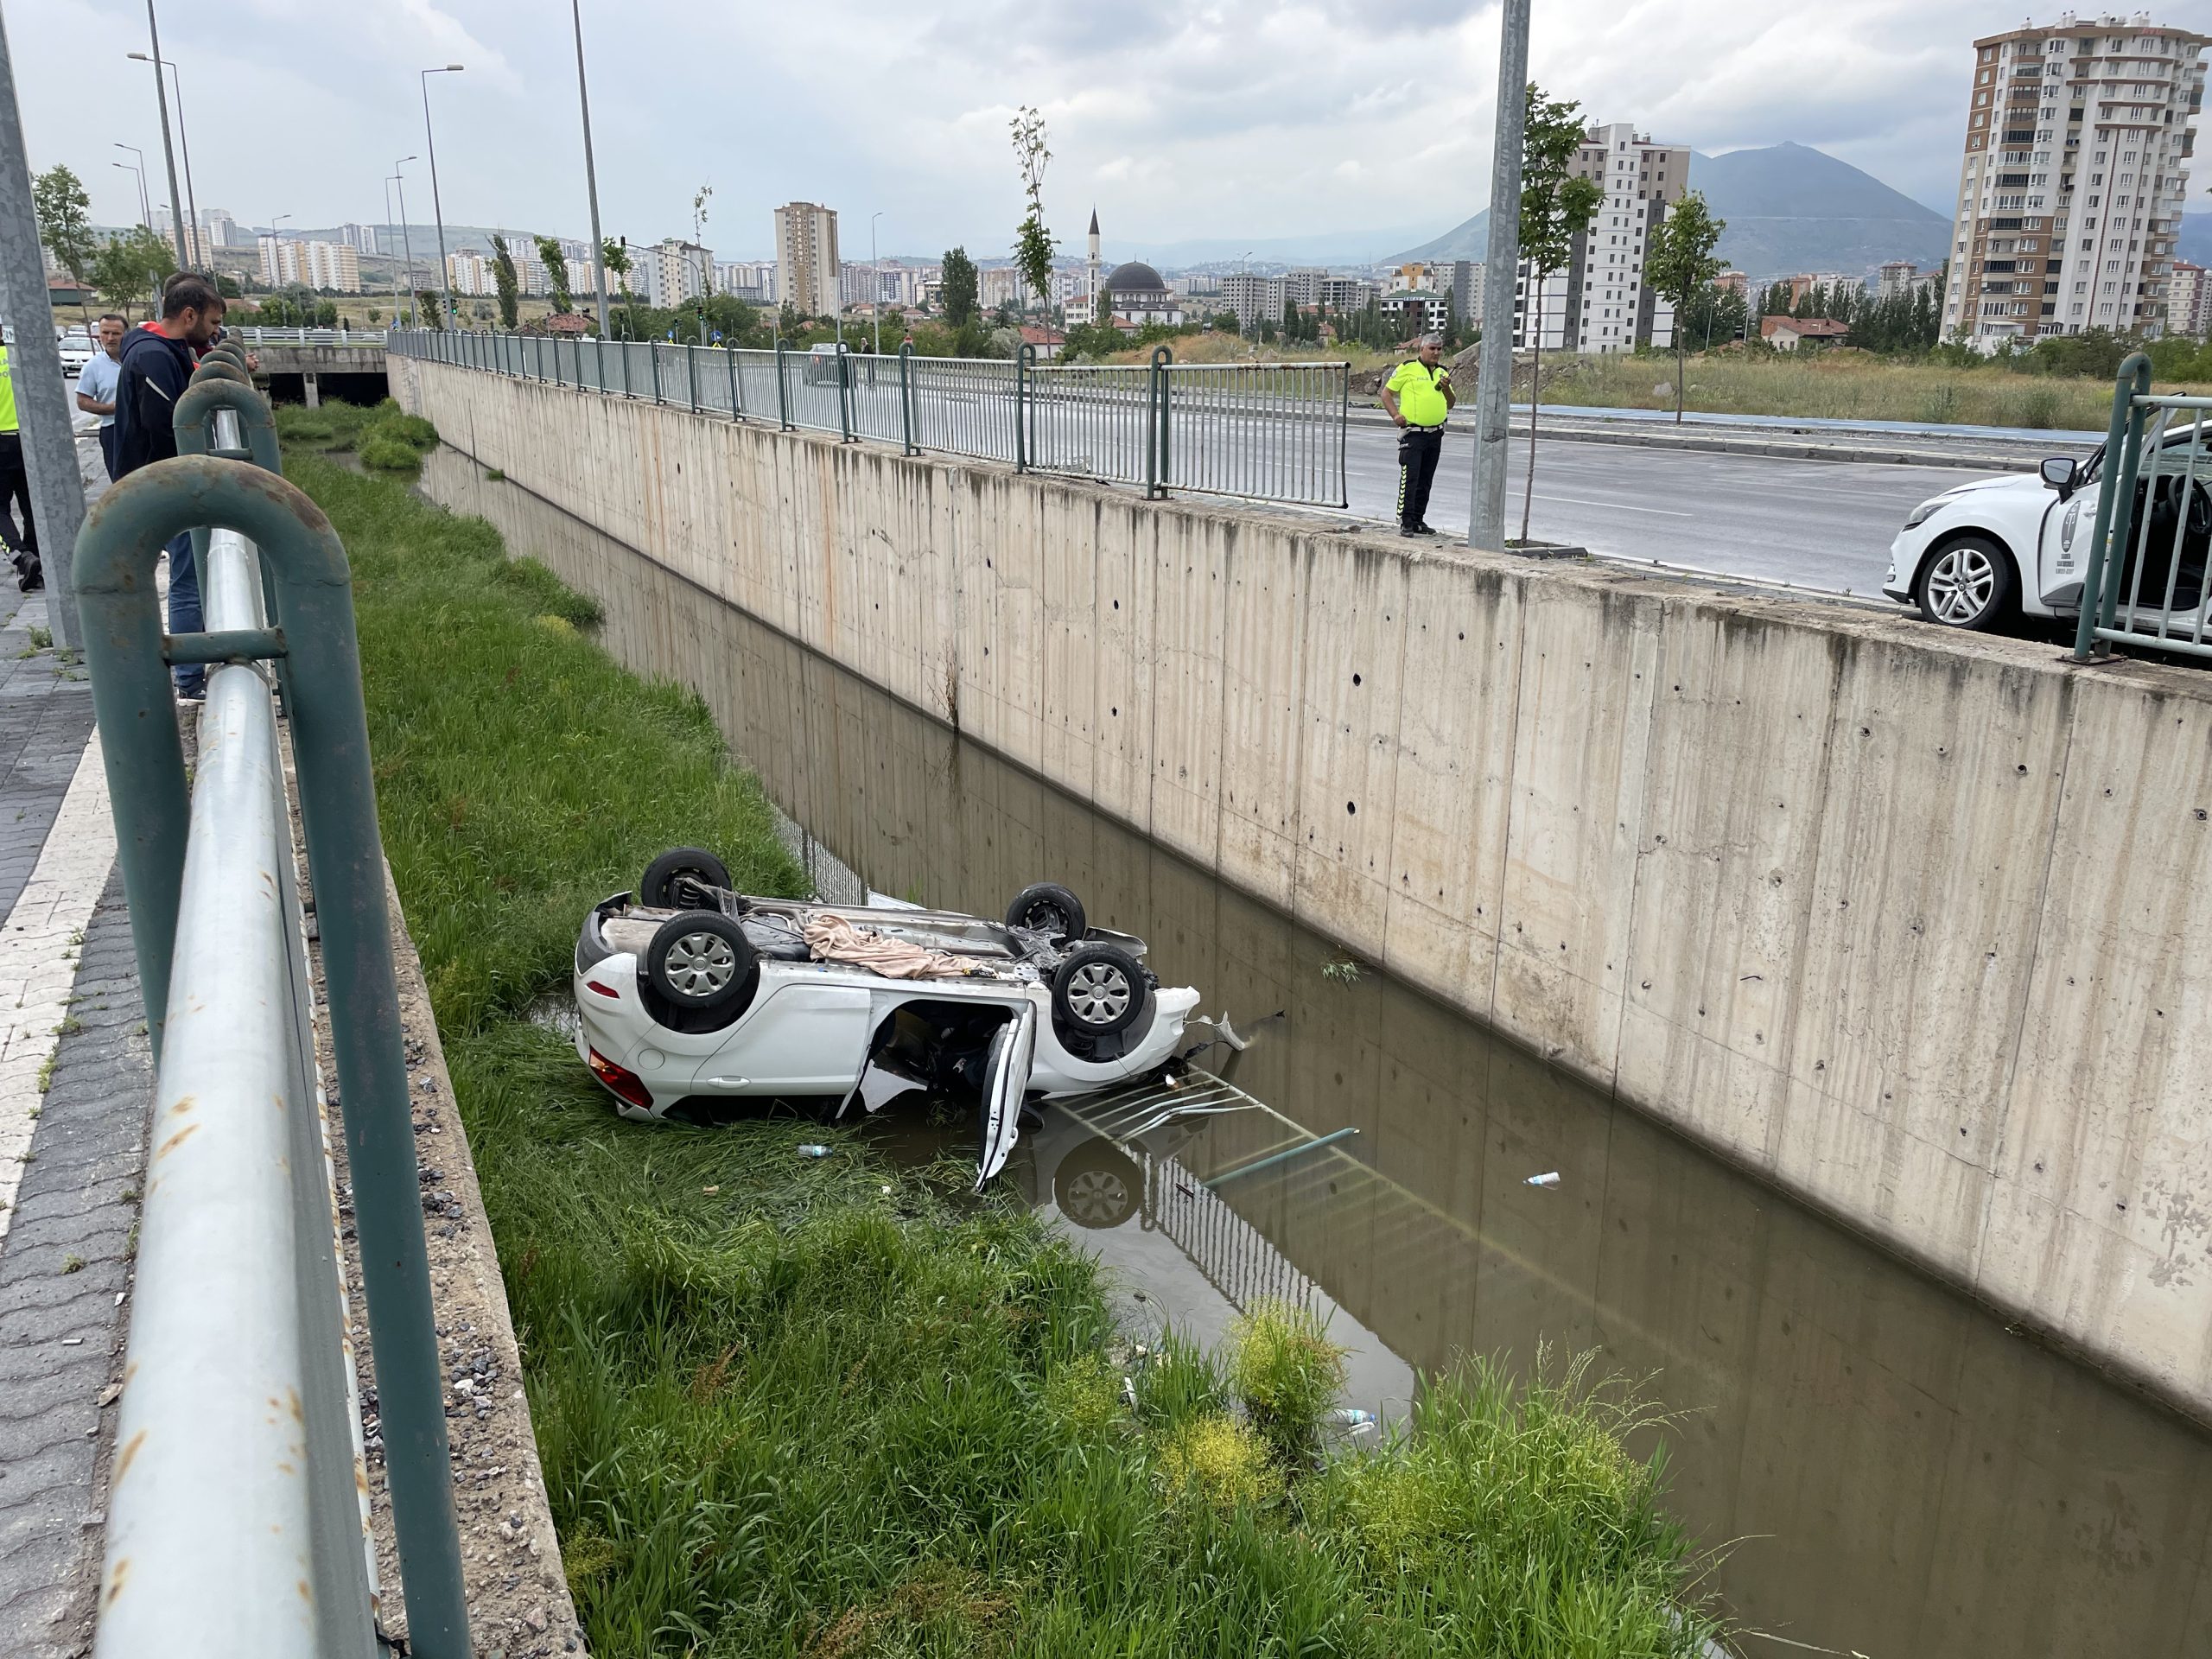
[[550, 255], [1679, 266], [510, 286], [430, 299], [1556, 206], [614, 254], [65, 225], [960, 284], [131, 267], [1032, 242]]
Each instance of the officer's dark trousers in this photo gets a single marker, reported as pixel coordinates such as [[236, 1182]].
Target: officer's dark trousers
[[1418, 449], [15, 496]]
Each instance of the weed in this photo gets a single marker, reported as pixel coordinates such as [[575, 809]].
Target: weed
[[73, 1263], [1285, 1372], [70, 1026], [1219, 1462], [46, 1074], [1342, 971], [494, 475], [41, 638]]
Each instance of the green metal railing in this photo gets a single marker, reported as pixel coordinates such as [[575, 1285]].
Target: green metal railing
[[1263, 431], [2144, 584], [237, 1520]]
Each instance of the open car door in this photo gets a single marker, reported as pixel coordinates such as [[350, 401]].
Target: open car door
[[1006, 1081]]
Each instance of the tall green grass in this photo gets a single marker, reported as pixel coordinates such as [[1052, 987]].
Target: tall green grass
[[832, 1408]]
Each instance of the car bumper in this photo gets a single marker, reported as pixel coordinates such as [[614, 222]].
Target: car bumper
[[1904, 562]]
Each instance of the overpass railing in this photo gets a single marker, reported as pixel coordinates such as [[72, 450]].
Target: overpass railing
[[237, 1514], [339, 336], [1261, 431], [2144, 582]]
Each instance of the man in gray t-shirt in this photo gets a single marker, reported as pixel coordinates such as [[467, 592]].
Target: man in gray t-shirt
[[96, 384]]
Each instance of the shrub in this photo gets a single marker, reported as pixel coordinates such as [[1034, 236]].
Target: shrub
[[1219, 1462], [388, 453], [1285, 1372]]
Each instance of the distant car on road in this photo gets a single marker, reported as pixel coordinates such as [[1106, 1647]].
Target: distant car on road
[[822, 363], [77, 348], [1985, 553]]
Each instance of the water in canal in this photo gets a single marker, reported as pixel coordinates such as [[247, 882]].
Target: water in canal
[[1889, 1469]]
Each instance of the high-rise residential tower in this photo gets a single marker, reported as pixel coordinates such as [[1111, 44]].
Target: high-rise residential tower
[[808, 273], [1600, 302], [2071, 188]]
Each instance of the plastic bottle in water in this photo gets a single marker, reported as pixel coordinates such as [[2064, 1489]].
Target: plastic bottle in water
[[814, 1149], [1549, 1178]]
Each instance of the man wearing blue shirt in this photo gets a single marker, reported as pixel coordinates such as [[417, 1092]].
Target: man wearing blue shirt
[[96, 384]]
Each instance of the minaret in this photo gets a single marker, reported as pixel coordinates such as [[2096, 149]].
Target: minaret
[[1090, 270]]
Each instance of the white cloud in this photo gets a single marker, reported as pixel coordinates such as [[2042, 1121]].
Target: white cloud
[[1226, 117]]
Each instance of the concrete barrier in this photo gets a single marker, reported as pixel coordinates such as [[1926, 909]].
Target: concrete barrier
[[1911, 924]]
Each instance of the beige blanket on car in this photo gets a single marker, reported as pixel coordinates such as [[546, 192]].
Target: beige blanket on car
[[834, 939]]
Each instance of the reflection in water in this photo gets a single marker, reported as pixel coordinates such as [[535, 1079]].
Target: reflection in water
[[1898, 1474]]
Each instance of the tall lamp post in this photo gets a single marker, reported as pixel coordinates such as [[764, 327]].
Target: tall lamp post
[[875, 278], [437, 207], [407, 241], [144, 218], [184, 143], [1493, 380], [161, 97], [591, 176]]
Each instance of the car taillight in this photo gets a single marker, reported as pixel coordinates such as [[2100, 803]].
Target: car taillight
[[626, 1084], [604, 990]]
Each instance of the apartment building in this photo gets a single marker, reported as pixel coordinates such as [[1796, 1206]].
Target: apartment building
[[807, 268], [472, 273], [673, 271], [2189, 300], [2071, 187], [1600, 302], [1902, 279], [331, 266], [1254, 298]]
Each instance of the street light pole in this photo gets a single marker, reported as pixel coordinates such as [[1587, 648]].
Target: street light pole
[[437, 207], [184, 143], [1494, 383], [591, 175], [144, 218], [161, 96], [875, 276], [407, 241]]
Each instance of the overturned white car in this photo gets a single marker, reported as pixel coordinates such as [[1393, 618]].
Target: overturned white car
[[687, 989]]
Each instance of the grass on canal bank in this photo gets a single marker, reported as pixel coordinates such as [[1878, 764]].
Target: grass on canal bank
[[832, 1409]]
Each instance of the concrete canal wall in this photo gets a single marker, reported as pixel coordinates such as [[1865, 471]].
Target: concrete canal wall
[[1919, 928]]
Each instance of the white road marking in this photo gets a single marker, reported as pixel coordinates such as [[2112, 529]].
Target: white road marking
[[38, 959], [1616, 507]]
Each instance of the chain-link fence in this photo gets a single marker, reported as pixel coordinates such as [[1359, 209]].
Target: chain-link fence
[[1264, 431]]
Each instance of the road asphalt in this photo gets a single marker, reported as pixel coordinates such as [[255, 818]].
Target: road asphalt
[[1821, 524]]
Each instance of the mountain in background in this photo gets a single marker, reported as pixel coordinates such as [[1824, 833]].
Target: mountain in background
[[1790, 208]]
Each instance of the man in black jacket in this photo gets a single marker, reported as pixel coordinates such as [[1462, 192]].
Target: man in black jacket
[[157, 364]]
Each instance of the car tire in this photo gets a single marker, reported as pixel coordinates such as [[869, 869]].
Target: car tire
[[1097, 1185], [658, 890], [1098, 990], [1049, 908], [701, 968], [1968, 582]]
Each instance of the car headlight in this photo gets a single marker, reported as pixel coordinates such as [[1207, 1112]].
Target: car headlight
[[1921, 514]]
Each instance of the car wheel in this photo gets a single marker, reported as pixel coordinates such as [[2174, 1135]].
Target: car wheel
[[1049, 908], [701, 967], [1097, 1186], [1098, 990], [1966, 583], [672, 881]]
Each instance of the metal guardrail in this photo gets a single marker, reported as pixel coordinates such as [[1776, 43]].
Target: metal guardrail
[[362, 337], [2146, 581], [237, 1509], [1261, 431]]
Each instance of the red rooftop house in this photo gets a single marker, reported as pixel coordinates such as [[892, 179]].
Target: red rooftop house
[[1787, 334]]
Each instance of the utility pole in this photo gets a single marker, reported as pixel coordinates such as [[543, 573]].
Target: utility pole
[[437, 207], [169, 150], [1494, 386], [407, 241], [35, 365], [591, 175]]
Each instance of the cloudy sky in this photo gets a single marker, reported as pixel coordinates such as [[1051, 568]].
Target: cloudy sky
[[1179, 118]]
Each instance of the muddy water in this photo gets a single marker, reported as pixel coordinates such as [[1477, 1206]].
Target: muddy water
[[1890, 1471]]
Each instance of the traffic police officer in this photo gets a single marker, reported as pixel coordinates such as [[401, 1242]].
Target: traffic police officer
[[1419, 397]]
